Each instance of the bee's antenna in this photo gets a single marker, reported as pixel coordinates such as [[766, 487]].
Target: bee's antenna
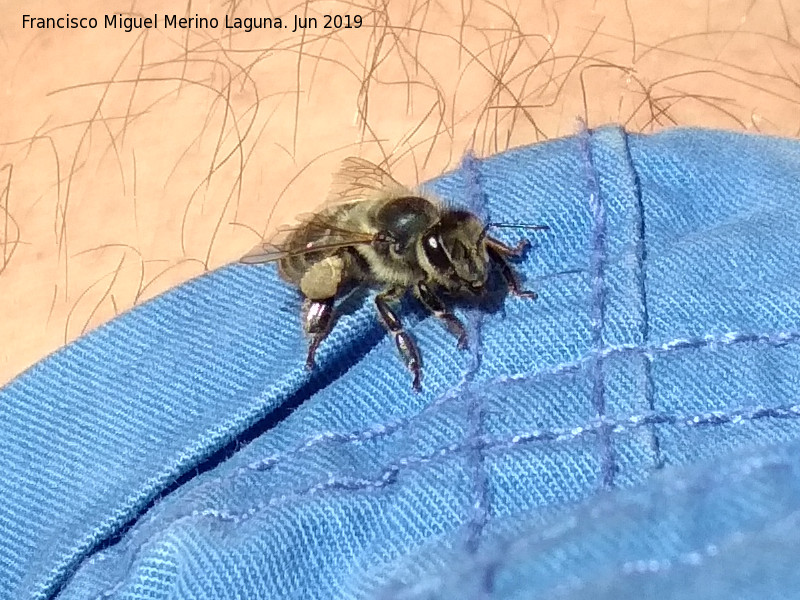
[[488, 226]]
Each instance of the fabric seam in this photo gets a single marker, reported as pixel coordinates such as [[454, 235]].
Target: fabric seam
[[486, 443], [476, 521], [597, 306], [631, 423], [651, 351], [641, 280]]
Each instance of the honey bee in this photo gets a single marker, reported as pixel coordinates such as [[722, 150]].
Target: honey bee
[[372, 231]]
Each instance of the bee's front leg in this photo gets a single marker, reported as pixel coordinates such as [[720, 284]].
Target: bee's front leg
[[506, 250], [317, 323], [405, 343], [497, 254], [434, 304]]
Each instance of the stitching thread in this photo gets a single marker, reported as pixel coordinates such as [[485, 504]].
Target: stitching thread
[[389, 474], [711, 342], [480, 507], [487, 443], [597, 309], [650, 352], [710, 478], [691, 558], [641, 282]]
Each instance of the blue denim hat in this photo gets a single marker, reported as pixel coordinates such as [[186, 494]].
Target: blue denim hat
[[633, 433]]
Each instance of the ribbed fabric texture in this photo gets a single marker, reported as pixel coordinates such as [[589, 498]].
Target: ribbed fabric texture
[[634, 432]]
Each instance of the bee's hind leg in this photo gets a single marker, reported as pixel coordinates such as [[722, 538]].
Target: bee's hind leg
[[317, 323], [405, 343], [434, 304], [319, 285]]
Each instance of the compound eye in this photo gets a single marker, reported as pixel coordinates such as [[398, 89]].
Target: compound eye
[[458, 252], [434, 250]]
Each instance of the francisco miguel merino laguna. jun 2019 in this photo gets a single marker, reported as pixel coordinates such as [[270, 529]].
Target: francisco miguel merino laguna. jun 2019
[[129, 23]]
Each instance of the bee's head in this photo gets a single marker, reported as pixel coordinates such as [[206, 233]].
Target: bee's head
[[453, 252]]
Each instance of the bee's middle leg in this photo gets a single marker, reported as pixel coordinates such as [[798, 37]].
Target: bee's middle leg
[[405, 343], [317, 323], [437, 307]]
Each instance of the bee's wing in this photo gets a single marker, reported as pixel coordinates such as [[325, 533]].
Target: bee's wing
[[263, 253], [314, 233], [358, 179]]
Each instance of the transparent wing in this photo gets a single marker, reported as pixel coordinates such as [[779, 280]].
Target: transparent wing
[[314, 233], [263, 253], [358, 179]]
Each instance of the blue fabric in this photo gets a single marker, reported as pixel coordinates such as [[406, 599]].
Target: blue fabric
[[633, 433]]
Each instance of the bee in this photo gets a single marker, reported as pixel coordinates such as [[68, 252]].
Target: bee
[[373, 231]]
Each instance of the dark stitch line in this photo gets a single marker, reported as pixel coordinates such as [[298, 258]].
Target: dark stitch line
[[390, 474], [597, 311], [480, 510], [650, 401], [385, 429], [641, 280], [486, 443], [710, 478], [712, 418], [778, 339]]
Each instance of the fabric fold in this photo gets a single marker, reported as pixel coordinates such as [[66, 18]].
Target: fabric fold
[[182, 450]]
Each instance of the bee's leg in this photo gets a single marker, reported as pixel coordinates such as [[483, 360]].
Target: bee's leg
[[434, 304], [405, 343], [505, 250], [319, 285], [499, 258], [317, 323]]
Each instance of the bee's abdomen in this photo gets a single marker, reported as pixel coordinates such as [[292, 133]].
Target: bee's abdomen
[[292, 268]]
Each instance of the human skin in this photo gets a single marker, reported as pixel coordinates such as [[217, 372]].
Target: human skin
[[133, 161]]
